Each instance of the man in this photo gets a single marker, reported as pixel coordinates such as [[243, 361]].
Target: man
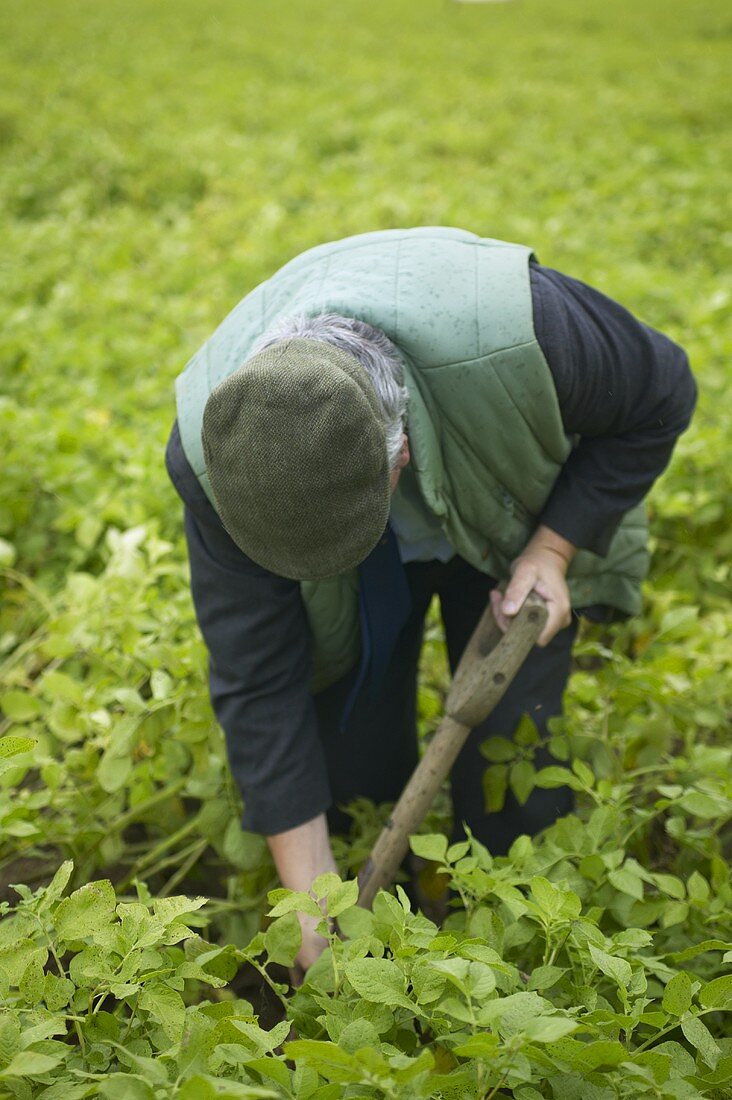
[[392, 416]]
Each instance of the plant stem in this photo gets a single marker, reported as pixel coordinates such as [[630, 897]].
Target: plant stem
[[494, 1090], [196, 852], [664, 1031], [31, 588], [262, 970], [162, 795], [158, 850]]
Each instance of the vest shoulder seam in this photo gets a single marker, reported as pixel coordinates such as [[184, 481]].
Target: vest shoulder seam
[[341, 246], [479, 358]]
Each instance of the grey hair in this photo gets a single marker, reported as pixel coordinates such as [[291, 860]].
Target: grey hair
[[371, 347]]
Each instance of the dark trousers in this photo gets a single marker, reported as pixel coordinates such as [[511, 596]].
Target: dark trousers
[[376, 753]]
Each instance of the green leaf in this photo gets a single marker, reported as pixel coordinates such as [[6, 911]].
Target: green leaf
[[457, 851], [681, 1060], [586, 1058], [113, 770], [356, 922], [198, 1088], [458, 1009], [671, 885], [544, 977], [8, 554], [547, 896], [548, 1029], [27, 1063], [499, 750], [602, 824], [19, 707], [700, 949], [283, 939], [583, 773], [427, 983], [131, 700], [699, 1036], [30, 986], [703, 805], [635, 938], [343, 896], [611, 965], [57, 685], [270, 1067], [244, 850], [592, 868], [521, 780], [150, 1068], [165, 1006], [412, 1069], [526, 733], [169, 910], [515, 1012], [16, 957], [13, 746], [323, 884], [674, 912], [670, 790], [495, 784], [478, 1046], [555, 776], [161, 684], [717, 993], [293, 901], [480, 980], [89, 909], [125, 1086], [433, 847], [678, 994], [698, 888], [455, 971], [358, 1034], [324, 1056], [9, 1037], [201, 1087], [91, 966], [721, 1075], [627, 883], [378, 980], [58, 883], [57, 992]]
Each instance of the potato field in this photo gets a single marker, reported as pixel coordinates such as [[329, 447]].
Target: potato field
[[157, 161]]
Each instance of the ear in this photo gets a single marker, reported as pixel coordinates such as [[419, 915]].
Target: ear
[[404, 454]]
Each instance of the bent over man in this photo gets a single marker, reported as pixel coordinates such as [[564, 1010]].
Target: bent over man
[[392, 416]]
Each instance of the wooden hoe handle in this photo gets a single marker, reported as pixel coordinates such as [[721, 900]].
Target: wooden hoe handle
[[489, 663]]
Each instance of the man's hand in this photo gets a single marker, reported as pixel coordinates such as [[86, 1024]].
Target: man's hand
[[300, 855], [541, 568]]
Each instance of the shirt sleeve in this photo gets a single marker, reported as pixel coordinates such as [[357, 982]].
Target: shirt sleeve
[[254, 626], [624, 389]]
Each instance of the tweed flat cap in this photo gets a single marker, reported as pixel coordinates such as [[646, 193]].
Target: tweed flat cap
[[296, 455]]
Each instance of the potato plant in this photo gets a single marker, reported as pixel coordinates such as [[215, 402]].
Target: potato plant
[[156, 163]]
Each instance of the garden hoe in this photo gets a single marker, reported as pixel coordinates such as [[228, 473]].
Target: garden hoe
[[489, 663]]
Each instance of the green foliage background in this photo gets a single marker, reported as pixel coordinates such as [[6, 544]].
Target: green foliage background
[[158, 160]]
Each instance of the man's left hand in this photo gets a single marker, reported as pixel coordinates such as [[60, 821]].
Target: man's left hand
[[541, 568]]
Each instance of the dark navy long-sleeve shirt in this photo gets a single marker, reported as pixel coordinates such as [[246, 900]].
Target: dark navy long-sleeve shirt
[[623, 388]]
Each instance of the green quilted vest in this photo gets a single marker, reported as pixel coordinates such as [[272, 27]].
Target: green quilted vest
[[484, 425]]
